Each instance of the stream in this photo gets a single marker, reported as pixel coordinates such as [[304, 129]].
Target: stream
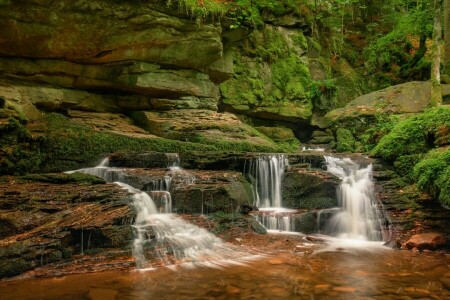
[[361, 274]]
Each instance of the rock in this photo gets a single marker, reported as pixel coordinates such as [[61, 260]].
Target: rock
[[138, 77], [305, 223], [431, 241], [245, 209], [394, 244], [107, 31], [56, 214], [256, 226], [359, 114], [203, 126], [138, 160], [311, 189]]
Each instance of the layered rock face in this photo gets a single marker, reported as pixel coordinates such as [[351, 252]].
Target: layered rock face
[[101, 62]]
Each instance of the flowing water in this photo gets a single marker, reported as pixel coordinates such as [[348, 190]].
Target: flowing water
[[266, 174], [161, 233], [359, 216], [377, 274]]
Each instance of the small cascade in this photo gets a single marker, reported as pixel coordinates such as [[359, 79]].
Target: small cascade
[[358, 216], [158, 231], [173, 161], [265, 174], [277, 219], [159, 190]]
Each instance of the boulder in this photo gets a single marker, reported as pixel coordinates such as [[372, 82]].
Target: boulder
[[204, 126], [309, 189], [430, 241], [107, 31], [406, 98]]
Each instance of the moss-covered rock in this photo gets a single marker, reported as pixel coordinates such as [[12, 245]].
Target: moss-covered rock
[[345, 142], [432, 174], [416, 135], [271, 80]]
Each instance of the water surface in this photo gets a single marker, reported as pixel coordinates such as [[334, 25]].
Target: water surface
[[343, 274]]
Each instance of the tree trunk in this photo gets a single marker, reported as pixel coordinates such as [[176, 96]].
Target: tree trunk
[[436, 93], [447, 37]]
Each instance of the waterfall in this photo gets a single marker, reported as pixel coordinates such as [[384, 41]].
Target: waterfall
[[167, 235], [358, 216], [266, 173], [173, 161]]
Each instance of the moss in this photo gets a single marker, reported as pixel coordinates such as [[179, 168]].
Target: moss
[[291, 75], [432, 173], [345, 141], [414, 135], [404, 166]]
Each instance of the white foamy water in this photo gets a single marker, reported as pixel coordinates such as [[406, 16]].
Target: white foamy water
[[158, 231], [266, 173], [358, 217]]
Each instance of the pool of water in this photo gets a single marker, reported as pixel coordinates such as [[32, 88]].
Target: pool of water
[[359, 273]]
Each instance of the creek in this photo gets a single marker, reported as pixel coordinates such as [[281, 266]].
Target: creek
[[347, 258]]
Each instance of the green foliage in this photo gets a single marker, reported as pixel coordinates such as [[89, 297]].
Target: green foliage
[[345, 141], [433, 174], [391, 57], [201, 8], [19, 151], [381, 126], [414, 135]]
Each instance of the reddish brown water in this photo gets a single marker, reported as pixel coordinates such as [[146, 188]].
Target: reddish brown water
[[383, 274]]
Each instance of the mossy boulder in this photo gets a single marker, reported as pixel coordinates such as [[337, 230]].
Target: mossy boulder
[[309, 189], [345, 142]]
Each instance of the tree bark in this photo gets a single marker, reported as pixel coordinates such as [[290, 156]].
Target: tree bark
[[447, 37], [436, 93]]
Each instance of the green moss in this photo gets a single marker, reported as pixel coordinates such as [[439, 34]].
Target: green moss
[[404, 166], [345, 141], [292, 76], [414, 135], [432, 173], [201, 8]]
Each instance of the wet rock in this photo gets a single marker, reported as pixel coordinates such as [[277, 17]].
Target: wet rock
[[394, 244], [138, 160], [305, 223], [310, 189], [256, 226], [58, 216], [423, 241], [245, 209]]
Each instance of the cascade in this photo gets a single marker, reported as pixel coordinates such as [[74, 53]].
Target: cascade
[[358, 216], [167, 235], [173, 161], [265, 174]]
